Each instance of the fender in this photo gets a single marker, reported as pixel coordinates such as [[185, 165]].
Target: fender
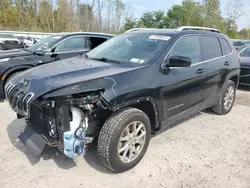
[[14, 69], [234, 72], [137, 101]]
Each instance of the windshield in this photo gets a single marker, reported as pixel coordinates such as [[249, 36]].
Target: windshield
[[44, 44], [130, 48]]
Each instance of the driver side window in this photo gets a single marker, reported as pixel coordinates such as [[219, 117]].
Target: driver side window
[[245, 52], [75, 43], [187, 46]]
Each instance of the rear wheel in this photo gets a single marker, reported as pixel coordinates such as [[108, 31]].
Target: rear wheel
[[124, 139], [227, 99]]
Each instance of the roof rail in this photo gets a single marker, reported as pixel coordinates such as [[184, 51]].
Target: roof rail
[[198, 28], [139, 29]]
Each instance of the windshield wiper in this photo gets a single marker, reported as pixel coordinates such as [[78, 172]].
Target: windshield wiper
[[104, 59]]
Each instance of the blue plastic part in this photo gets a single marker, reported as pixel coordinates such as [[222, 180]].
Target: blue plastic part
[[73, 146]]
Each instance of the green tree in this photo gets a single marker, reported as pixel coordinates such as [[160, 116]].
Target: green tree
[[129, 24]]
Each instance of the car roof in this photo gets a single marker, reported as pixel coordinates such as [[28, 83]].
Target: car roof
[[172, 32], [180, 30], [83, 33]]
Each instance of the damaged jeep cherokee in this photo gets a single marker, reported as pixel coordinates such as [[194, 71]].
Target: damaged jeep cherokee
[[123, 91]]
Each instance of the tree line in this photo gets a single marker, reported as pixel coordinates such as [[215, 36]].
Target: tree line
[[115, 16], [207, 13], [63, 15]]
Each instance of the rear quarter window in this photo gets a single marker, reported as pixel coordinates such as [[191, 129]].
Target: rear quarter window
[[210, 47], [226, 49]]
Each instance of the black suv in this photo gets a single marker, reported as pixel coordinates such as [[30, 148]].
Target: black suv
[[53, 48], [125, 90]]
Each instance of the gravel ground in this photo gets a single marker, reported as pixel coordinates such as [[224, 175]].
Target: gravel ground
[[205, 151]]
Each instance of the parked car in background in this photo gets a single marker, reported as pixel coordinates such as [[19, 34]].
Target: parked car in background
[[135, 84], [29, 41], [9, 41], [53, 48], [244, 53], [21, 39], [239, 43]]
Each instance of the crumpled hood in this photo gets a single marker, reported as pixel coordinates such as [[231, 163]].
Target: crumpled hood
[[52, 76], [14, 53]]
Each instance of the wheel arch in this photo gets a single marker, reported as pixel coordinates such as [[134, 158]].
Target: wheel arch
[[147, 105], [14, 70]]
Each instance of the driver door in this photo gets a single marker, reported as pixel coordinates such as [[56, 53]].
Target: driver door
[[183, 86]]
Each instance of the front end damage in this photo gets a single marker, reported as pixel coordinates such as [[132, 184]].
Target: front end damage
[[69, 123]]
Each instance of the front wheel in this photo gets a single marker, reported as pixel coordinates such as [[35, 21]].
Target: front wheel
[[124, 139], [227, 99]]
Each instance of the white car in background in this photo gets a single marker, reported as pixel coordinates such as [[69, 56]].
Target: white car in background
[[29, 41]]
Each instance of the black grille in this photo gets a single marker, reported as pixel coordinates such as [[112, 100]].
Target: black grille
[[18, 99]]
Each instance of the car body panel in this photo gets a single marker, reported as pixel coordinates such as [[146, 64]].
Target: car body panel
[[245, 67], [27, 59]]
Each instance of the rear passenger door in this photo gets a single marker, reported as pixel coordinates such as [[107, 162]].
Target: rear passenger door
[[217, 64]]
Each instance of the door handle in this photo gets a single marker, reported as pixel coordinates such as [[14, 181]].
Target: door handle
[[200, 71], [227, 63]]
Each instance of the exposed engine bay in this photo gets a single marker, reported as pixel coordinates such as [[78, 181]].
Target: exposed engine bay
[[69, 123]]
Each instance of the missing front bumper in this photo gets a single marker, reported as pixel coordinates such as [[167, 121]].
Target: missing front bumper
[[32, 140]]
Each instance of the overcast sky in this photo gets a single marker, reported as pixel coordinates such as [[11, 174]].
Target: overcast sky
[[139, 6]]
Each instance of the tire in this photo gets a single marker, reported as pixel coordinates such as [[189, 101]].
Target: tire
[[109, 139], [220, 108]]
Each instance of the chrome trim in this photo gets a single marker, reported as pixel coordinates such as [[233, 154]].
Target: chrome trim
[[178, 106], [198, 28], [10, 89], [27, 103], [7, 86]]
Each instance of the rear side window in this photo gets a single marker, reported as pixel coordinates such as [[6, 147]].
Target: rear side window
[[226, 49], [96, 41], [210, 47]]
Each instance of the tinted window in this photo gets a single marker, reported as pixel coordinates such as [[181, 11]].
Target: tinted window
[[210, 47], [72, 44], [96, 41], [45, 43], [245, 52], [225, 47], [189, 47]]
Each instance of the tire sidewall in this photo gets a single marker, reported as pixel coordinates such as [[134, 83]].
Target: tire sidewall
[[115, 161], [229, 83]]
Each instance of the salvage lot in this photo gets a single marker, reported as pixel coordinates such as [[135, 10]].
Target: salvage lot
[[205, 151]]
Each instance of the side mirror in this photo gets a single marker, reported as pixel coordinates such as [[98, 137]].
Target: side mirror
[[178, 61]]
